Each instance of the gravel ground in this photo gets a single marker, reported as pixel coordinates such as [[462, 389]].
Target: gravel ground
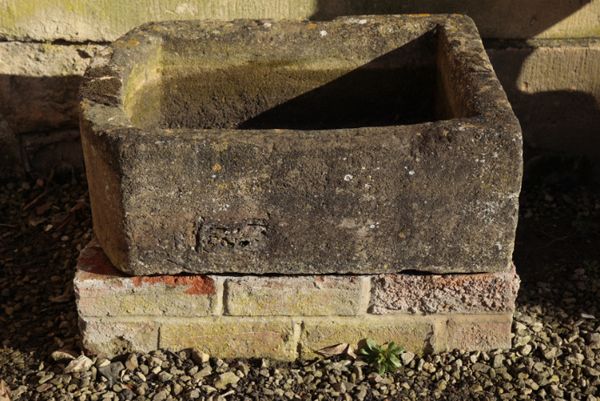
[[556, 345]]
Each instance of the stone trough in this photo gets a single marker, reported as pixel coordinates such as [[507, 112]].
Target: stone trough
[[359, 151]]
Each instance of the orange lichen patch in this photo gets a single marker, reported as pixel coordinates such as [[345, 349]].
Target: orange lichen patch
[[93, 262], [197, 285]]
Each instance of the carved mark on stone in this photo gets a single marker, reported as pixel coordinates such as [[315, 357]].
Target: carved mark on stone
[[248, 236]]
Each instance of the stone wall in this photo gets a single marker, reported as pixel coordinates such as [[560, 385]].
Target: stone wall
[[546, 54]]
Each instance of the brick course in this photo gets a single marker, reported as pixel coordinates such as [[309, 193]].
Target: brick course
[[481, 332], [296, 296], [114, 336], [288, 317], [232, 337], [453, 293], [415, 333], [102, 290]]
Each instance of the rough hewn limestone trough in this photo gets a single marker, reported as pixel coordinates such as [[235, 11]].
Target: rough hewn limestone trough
[[319, 181], [361, 145]]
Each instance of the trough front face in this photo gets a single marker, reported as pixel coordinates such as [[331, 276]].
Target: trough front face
[[361, 145]]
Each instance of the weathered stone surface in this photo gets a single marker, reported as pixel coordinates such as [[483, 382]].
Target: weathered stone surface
[[110, 336], [45, 59], [296, 296], [77, 20], [102, 290], [233, 337], [479, 332], [454, 293], [417, 334], [506, 19], [304, 165]]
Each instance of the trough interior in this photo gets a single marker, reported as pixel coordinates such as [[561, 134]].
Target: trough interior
[[407, 85]]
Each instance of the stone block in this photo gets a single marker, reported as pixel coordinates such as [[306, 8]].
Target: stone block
[[417, 334], [102, 290], [455, 293], [478, 332], [296, 296], [39, 106], [109, 336], [370, 145], [233, 337]]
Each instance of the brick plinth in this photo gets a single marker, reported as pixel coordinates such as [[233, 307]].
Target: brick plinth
[[287, 317]]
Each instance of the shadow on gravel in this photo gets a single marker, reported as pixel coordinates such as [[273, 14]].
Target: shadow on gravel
[[43, 224], [558, 236]]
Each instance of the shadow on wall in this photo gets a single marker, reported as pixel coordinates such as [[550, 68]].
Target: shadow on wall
[[495, 18], [34, 108], [560, 120]]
